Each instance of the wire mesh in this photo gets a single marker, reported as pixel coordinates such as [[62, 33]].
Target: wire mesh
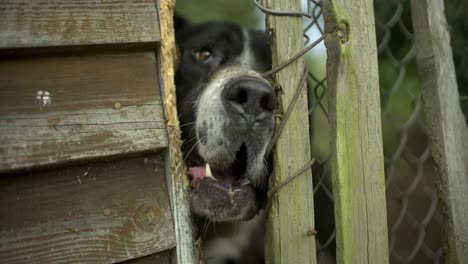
[[313, 34], [414, 218]]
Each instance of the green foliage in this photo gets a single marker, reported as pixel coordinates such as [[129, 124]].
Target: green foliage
[[398, 102], [239, 11], [459, 40], [316, 63]]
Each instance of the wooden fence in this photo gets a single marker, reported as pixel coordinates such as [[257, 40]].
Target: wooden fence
[[91, 171], [87, 134], [356, 133], [448, 133], [291, 214], [354, 110]]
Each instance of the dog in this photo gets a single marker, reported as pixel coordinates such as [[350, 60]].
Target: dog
[[227, 121], [226, 111]]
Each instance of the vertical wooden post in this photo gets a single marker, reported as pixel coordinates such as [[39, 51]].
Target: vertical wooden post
[[448, 133], [183, 226], [357, 152], [291, 219]]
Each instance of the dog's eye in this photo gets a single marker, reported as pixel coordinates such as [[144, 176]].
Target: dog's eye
[[202, 55]]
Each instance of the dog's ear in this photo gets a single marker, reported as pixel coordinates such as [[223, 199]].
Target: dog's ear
[[179, 22]]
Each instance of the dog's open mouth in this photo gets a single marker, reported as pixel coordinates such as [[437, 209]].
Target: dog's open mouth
[[228, 179], [224, 193]]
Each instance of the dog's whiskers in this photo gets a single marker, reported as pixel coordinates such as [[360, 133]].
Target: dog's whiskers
[[187, 124], [265, 165], [190, 140], [205, 228], [196, 144]]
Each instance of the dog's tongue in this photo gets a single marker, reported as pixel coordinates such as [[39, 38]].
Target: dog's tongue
[[196, 174]]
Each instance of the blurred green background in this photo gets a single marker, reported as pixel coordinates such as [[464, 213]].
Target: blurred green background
[[239, 11]]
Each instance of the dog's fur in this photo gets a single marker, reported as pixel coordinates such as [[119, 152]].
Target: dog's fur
[[227, 120], [226, 112]]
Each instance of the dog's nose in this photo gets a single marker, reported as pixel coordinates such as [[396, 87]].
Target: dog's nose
[[250, 97]]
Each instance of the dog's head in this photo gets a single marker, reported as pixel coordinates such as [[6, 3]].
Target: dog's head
[[227, 117]]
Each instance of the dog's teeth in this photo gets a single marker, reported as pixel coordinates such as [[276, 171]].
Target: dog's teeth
[[208, 172]]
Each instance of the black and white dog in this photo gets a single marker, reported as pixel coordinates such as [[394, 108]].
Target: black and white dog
[[227, 118], [226, 112]]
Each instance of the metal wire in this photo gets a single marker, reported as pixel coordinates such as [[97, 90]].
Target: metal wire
[[412, 206], [317, 92], [414, 217]]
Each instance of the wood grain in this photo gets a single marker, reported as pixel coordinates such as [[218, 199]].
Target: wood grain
[[163, 257], [291, 216], [356, 133], [92, 213], [41, 23], [446, 125], [100, 105], [177, 177]]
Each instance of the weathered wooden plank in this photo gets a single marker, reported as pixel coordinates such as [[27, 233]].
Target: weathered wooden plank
[[186, 251], [291, 220], [446, 126], [39, 23], [93, 213], [163, 257], [98, 106], [356, 133]]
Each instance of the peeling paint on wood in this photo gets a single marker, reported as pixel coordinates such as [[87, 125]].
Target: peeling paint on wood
[[94, 213], [39, 23]]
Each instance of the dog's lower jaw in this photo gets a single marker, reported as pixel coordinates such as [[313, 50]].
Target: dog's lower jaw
[[228, 211], [221, 134], [221, 200]]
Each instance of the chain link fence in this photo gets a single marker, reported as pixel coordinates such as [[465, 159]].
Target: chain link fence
[[414, 218], [313, 34], [413, 213]]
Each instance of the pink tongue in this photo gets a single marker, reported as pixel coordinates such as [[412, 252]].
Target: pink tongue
[[197, 174]]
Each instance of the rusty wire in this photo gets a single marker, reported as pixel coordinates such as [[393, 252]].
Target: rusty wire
[[414, 218], [317, 93]]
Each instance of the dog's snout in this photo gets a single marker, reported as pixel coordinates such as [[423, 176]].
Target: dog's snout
[[250, 97]]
